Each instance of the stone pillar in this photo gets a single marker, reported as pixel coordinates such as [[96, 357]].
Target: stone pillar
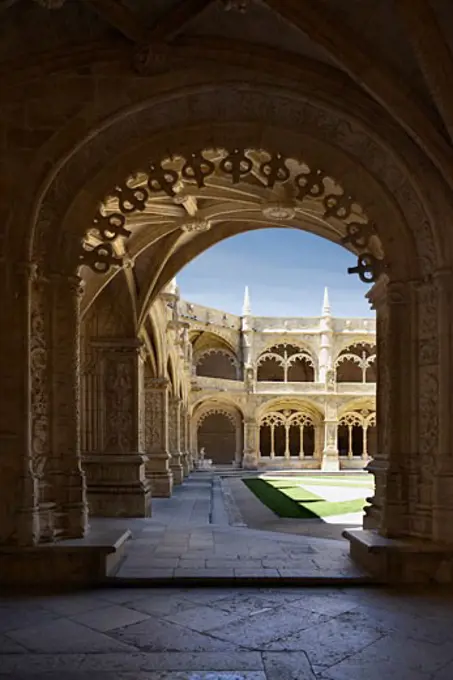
[[156, 437], [116, 479], [251, 444], [174, 439], [396, 395], [67, 478], [187, 460], [330, 460], [24, 346]]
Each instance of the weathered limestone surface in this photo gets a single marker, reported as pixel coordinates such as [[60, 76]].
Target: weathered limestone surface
[[102, 134]]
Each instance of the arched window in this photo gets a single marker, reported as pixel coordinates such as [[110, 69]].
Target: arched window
[[285, 363], [356, 363], [357, 434], [288, 434], [217, 435], [217, 363]]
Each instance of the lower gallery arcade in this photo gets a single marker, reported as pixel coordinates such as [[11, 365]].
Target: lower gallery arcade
[[99, 355]]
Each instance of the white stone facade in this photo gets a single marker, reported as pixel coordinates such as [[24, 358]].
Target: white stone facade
[[268, 392]]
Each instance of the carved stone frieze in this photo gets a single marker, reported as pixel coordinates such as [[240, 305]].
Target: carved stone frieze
[[119, 404], [40, 369]]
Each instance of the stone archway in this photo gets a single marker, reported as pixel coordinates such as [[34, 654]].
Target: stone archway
[[411, 300], [218, 431]]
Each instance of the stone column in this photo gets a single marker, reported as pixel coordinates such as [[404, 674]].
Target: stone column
[[156, 437], [330, 458], [187, 459], [174, 439], [251, 444], [67, 477], [116, 479]]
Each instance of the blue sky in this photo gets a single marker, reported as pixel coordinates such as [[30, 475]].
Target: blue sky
[[286, 271]]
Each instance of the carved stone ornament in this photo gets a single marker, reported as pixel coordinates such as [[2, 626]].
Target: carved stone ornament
[[279, 211], [175, 173], [196, 226]]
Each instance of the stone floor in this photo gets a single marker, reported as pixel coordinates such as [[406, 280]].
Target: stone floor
[[228, 634], [189, 536]]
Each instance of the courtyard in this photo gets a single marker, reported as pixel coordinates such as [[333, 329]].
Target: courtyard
[[334, 499]]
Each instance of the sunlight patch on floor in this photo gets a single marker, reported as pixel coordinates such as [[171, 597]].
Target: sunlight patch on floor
[[334, 494]]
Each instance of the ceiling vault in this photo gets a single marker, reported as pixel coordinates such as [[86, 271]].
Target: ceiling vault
[[352, 55], [433, 54], [120, 17]]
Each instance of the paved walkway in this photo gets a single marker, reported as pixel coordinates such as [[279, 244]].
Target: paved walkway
[[189, 537], [228, 634]]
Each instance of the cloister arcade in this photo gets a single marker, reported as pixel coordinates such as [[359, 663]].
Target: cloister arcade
[[122, 162]]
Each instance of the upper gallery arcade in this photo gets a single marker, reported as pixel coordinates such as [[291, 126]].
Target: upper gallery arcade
[[135, 136]]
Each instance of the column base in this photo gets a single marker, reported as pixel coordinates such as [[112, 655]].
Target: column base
[[159, 474], [402, 560], [330, 462], [250, 461], [117, 485]]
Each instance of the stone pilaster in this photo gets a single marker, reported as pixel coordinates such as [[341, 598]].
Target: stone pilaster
[[442, 516], [156, 437], [394, 304], [67, 477], [24, 317], [116, 479], [174, 439], [251, 444]]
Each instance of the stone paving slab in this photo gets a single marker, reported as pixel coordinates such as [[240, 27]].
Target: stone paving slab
[[229, 634], [179, 543]]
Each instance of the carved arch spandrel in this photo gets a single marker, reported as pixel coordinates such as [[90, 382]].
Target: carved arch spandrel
[[412, 210]]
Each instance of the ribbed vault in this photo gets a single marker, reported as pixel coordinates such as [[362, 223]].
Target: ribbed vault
[[168, 213]]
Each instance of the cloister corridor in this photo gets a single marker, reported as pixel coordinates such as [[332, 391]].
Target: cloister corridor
[[212, 601], [135, 137]]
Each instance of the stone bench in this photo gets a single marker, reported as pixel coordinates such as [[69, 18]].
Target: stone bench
[[66, 564]]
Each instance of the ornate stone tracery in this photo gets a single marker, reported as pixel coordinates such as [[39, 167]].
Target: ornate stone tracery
[[285, 421], [286, 356], [173, 172]]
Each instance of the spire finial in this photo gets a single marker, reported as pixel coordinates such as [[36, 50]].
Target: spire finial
[[326, 304], [246, 309]]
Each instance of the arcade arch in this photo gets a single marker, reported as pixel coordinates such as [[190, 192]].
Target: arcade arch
[[409, 295], [285, 363], [356, 363], [218, 432]]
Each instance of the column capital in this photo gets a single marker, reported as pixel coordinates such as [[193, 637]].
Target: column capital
[[156, 384], [123, 345]]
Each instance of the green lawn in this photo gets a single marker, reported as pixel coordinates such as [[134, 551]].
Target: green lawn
[[289, 497]]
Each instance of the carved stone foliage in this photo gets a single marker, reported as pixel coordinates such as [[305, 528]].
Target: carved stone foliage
[[164, 175], [156, 414], [40, 376], [428, 378], [119, 404]]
